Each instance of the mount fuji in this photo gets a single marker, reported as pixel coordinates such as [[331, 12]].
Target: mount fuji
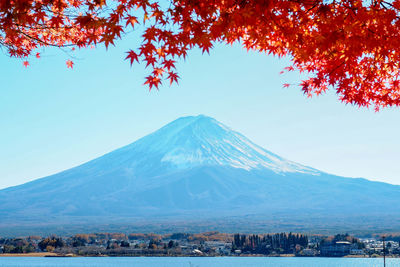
[[197, 169]]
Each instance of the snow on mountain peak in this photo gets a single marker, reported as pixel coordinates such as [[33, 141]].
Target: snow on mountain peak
[[200, 140]]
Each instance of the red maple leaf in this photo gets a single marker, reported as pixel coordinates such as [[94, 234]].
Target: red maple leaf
[[132, 56], [70, 64], [173, 77]]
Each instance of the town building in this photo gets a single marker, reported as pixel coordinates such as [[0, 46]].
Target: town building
[[337, 249]]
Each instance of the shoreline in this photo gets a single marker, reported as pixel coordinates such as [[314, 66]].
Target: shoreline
[[33, 254], [55, 255]]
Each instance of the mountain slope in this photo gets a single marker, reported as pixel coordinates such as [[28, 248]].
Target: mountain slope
[[194, 167]]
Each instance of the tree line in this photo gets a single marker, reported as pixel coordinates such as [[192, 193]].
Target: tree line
[[267, 244]]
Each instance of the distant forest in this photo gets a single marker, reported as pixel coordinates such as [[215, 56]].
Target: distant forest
[[265, 244]]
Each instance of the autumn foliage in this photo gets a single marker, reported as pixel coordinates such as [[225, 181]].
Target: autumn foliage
[[350, 46]]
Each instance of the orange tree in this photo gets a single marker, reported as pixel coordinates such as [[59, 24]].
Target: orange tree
[[350, 46]]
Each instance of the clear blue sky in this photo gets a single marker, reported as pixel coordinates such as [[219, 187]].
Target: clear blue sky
[[53, 118]]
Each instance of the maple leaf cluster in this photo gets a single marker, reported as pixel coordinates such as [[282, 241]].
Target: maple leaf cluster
[[351, 46]]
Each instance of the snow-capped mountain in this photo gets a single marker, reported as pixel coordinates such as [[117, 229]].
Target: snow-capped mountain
[[194, 167], [200, 140]]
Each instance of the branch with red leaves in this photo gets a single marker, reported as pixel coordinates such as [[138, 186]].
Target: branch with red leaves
[[350, 46]]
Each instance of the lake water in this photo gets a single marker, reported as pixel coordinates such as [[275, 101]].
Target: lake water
[[197, 262]]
